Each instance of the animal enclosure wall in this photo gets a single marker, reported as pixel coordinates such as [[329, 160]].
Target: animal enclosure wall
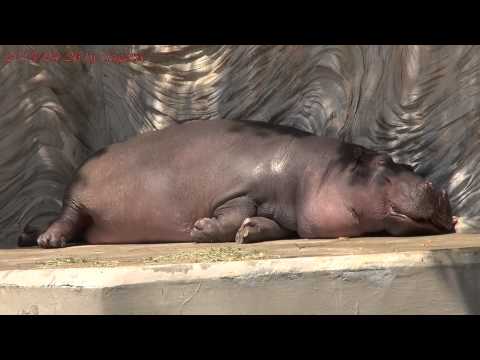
[[420, 104]]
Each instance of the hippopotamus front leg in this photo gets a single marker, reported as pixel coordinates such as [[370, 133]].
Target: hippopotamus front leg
[[224, 223], [256, 229]]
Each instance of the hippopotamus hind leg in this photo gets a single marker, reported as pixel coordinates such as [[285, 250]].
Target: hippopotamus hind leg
[[71, 222], [257, 229], [225, 222]]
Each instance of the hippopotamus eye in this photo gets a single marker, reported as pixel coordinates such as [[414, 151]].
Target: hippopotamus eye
[[386, 179], [383, 160]]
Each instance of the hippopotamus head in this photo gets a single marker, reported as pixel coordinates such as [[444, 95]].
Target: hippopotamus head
[[411, 205]]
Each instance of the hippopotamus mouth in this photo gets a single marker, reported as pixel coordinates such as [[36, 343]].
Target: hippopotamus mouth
[[426, 226], [438, 220]]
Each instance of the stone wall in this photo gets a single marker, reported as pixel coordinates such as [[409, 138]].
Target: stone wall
[[418, 103]]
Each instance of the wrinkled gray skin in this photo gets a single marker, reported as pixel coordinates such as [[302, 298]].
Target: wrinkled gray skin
[[220, 181]]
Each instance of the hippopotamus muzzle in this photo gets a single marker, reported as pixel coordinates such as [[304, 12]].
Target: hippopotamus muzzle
[[422, 210]]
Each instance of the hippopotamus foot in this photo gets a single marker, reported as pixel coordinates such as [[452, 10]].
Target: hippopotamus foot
[[55, 237], [256, 229], [225, 222], [65, 229], [206, 230]]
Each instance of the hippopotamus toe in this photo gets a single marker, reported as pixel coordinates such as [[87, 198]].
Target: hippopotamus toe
[[257, 228], [244, 230], [247, 228], [52, 239]]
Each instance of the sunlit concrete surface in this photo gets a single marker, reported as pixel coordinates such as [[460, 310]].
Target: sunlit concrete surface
[[420, 275]]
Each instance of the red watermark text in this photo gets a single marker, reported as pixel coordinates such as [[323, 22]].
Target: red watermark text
[[72, 57]]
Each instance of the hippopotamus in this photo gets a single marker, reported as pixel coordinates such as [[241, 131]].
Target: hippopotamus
[[243, 181]]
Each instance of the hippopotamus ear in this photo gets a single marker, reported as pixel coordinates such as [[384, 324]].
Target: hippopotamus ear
[[406, 166], [384, 159], [409, 167]]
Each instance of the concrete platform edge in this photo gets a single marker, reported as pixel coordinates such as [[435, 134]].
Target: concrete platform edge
[[421, 282]]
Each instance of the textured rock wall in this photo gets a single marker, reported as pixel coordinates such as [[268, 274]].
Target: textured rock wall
[[418, 103]]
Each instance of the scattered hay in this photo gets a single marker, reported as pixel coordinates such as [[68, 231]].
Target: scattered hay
[[58, 262], [216, 254]]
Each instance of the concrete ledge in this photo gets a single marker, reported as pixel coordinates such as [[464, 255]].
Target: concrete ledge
[[443, 281]]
